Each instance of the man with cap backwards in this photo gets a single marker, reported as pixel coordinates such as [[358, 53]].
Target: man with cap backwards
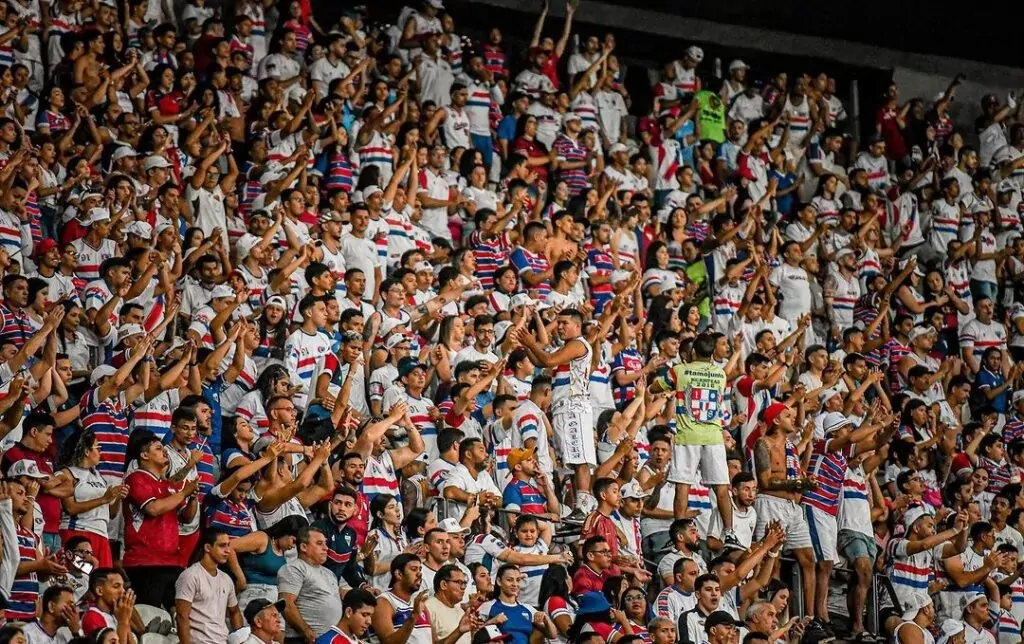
[[922, 339], [96, 247], [842, 290], [976, 617], [917, 621], [48, 258], [912, 558], [699, 444], [781, 482], [827, 470]]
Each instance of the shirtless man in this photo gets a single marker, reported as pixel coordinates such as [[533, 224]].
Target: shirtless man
[[780, 484], [562, 244]]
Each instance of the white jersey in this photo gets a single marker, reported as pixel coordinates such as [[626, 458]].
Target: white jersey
[[799, 122], [572, 379], [672, 602], [795, 289], [855, 504], [527, 423], [456, 128], [845, 293], [89, 485]]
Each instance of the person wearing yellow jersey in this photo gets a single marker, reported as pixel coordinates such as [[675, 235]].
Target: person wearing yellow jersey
[[710, 117], [700, 403]]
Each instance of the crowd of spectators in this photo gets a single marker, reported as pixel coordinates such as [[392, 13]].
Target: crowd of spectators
[[374, 331]]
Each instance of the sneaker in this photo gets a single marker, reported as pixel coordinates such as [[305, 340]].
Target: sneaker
[[826, 626], [577, 516]]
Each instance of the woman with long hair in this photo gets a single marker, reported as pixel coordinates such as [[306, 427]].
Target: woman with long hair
[[274, 381], [88, 511], [557, 601], [38, 304], [273, 331], [71, 342], [506, 600], [506, 284], [386, 530], [826, 202], [634, 608], [538, 157], [657, 274], [260, 555]]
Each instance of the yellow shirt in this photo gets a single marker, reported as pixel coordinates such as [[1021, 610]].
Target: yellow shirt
[[700, 400]]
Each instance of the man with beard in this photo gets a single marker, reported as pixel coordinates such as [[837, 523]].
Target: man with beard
[[842, 290], [350, 471], [686, 540], [343, 556], [59, 285], [400, 618]]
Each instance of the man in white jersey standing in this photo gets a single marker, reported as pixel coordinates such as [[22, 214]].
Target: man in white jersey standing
[[572, 417]]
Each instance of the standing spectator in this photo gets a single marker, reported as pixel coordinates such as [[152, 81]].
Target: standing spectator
[[204, 597], [151, 555]]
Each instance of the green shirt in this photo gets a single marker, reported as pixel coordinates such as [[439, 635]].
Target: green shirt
[[697, 273], [700, 402], [711, 116]]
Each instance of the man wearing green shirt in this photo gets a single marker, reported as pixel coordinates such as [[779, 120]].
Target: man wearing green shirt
[[700, 400], [710, 119]]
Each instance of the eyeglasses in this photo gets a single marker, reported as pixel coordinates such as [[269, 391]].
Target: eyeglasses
[[457, 582], [601, 552]]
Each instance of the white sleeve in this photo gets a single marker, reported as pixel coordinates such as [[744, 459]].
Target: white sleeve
[[10, 557]]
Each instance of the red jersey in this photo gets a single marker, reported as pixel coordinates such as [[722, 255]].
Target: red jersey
[[148, 540]]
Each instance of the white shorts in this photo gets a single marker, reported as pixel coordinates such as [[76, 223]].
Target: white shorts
[[824, 529], [573, 427], [789, 514], [709, 459]]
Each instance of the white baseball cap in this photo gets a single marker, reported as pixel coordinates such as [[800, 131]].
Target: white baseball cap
[[451, 526], [245, 244], [129, 330], [738, 64], [97, 215], [222, 290], [633, 490], [139, 229], [155, 161], [26, 467], [102, 371]]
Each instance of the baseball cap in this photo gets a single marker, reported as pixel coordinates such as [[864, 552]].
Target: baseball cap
[[437, 4], [44, 246], [522, 299], [827, 395], [913, 514], [276, 300], [253, 608], [913, 604], [971, 597], [129, 330], [451, 526], [571, 116], [395, 339], [738, 64], [695, 53], [245, 244], [618, 147], [97, 215], [423, 267], [154, 161], [633, 490], [921, 330], [500, 329], [843, 252], [122, 152], [408, 365], [102, 371], [518, 455], [592, 602], [28, 468], [490, 634], [139, 229], [720, 618], [834, 421], [222, 290], [260, 212], [330, 215], [773, 412], [369, 191], [950, 628]]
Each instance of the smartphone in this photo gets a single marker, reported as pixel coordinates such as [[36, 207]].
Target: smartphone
[[82, 565]]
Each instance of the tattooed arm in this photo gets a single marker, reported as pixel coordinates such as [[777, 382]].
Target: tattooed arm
[[766, 480]]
